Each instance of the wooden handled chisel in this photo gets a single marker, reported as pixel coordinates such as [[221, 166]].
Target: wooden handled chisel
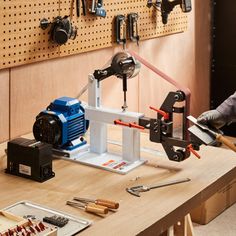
[[101, 202], [218, 136], [89, 207]]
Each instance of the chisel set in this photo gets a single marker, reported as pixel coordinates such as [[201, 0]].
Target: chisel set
[[96, 206]]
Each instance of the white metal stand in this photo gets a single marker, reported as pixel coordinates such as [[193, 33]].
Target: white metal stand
[[97, 155], [99, 118]]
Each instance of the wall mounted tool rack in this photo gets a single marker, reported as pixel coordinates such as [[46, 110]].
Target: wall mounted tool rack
[[22, 41]]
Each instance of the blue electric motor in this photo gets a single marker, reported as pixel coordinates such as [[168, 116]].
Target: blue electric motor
[[62, 124]]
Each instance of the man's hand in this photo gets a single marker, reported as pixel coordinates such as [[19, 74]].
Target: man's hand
[[213, 118]]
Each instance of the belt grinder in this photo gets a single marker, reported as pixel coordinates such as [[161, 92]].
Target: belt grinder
[[126, 65]]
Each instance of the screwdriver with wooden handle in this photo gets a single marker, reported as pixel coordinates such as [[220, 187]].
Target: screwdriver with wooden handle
[[218, 136], [89, 207], [102, 202]]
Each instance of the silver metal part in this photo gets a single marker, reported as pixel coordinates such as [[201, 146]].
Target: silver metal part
[[136, 190], [25, 208]]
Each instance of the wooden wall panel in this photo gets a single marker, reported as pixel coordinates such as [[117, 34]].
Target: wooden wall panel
[[4, 105], [202, 54]]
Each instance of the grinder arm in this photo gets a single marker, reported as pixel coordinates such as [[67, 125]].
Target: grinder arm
[[161, 129]]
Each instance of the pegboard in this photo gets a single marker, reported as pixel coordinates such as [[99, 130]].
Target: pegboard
[[22, 41]]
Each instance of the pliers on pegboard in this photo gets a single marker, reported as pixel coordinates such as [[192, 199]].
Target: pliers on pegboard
[[78, 7], [84, 6]]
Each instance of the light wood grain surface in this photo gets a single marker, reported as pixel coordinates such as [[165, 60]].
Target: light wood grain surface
[[150, 214], [4, 105]]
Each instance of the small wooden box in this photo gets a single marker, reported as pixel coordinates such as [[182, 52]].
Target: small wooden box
[[215, 205]]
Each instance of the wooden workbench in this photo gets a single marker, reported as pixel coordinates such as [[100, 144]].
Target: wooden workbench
[[151, 214]]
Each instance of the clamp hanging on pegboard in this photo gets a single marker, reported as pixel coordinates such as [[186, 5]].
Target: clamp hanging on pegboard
[[120, 30], [127, 26], [133, 27]]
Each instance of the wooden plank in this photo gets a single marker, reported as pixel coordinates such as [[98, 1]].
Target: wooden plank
[[201, 81], [35, 86], [4, 105], [151, 214], [184, 227]]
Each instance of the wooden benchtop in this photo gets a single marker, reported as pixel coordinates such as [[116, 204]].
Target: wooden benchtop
[[150, 214]]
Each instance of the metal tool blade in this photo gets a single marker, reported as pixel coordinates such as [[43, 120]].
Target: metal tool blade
[[178, 181], [200, 134], [133, 192], [203, 127], [136, 190]]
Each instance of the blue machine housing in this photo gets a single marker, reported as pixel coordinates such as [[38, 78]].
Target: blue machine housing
[[67, 116]]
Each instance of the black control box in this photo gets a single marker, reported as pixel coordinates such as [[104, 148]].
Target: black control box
[[30, 159]]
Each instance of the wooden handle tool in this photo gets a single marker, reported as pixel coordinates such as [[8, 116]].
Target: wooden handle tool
[[94, 208], [225, 141], [89, 207], [217, 135], [107, 203], [101, 202]]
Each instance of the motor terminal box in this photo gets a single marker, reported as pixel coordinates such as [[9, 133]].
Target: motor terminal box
[[30, 159]]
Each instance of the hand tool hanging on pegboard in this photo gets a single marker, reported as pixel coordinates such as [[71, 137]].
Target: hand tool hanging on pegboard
[[133, 27], [84, 6], [149, 3], [61, 29], [157, 4], [120, 30], [97, 8], [167, 6], [78, 7]]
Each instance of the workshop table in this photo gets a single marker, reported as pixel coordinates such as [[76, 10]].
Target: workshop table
[[151, 214]]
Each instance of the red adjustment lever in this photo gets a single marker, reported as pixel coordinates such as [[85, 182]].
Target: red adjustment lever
[[163, 113], [131, 125], [190, 148], [119, 122], [134, 125]]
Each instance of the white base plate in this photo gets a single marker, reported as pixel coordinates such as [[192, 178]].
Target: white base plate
[[107, 161]]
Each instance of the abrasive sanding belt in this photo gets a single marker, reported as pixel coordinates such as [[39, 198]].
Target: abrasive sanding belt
[[167, 78]]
